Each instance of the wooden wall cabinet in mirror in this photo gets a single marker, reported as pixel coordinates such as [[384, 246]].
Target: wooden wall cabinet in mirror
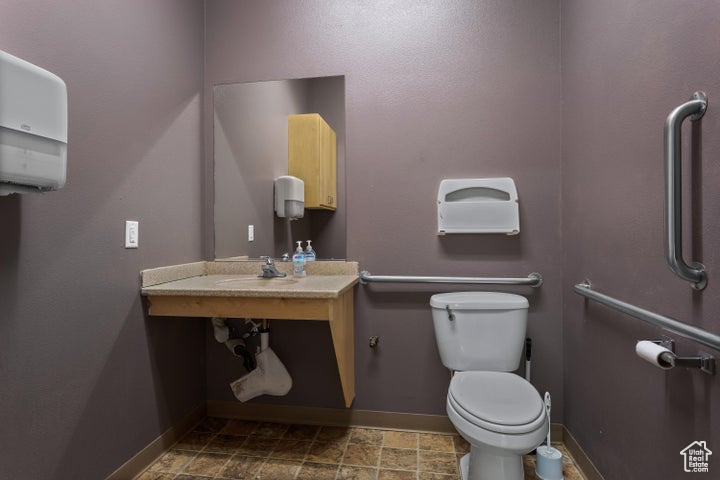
[[312, 157]]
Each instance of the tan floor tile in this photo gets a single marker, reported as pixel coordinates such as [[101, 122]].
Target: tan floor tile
[[270, 430], [437, 462], [461, 445], [239, 427], [225, 443], [276, 469], [529, 465], [357, 473], [242, 468], [156, 476], [258, 446], [194, 441], [291, 449], [325, 452], [211, 425], [333, 434], [366, 436], [401, 439], [398, 459], [206, 464], [361, 455], [396, 475], [173, 461], [317, 471], [572, 473], [246, 450], [435, 442], [302, 432], [436, 476]]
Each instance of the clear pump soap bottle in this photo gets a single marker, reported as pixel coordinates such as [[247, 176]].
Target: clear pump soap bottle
[[299, 261], [309, 252]]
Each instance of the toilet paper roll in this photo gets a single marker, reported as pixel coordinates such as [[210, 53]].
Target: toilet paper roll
[[652, 353]]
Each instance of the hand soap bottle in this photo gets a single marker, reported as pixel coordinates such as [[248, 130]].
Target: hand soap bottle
[[299, 261], [309, 253]]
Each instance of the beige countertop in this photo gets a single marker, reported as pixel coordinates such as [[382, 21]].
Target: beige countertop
[[325, 279]]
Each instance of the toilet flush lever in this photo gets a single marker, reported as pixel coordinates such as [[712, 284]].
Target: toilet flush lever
[[451, 315]]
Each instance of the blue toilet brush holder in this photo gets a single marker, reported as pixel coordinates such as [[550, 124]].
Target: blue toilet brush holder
[[548, 463], [548, 460]]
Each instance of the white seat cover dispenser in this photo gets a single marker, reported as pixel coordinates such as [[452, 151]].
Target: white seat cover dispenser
[[497, 397]]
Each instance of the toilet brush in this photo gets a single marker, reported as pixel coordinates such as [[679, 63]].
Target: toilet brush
[[548, 464], [548, 406]]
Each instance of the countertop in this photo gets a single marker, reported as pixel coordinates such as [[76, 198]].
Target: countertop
[[239, 278]]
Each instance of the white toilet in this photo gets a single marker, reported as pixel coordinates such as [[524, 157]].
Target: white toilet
[[480, 336]]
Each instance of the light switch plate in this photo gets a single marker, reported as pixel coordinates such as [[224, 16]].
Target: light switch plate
[[131, 233]]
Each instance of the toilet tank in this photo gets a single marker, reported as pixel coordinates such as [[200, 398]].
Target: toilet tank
[[480, 330]]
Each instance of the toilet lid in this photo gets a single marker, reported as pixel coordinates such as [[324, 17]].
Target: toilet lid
[[498, 401]]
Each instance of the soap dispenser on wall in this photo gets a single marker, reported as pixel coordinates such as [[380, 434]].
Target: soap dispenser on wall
[[33, 127], [289, 197]]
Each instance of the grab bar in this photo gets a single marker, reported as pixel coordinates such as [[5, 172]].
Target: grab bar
[[533, 280], [684, 330], [695, 272]]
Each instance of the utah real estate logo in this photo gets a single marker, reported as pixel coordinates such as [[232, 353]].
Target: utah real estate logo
[[696, 457]]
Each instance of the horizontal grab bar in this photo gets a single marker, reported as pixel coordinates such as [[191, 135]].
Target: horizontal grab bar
[[683, 329], [533, 280]]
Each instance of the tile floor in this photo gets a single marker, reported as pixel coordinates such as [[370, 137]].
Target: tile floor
[[242, 450]]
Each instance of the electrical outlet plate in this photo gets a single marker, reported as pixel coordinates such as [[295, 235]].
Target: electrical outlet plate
[[131, 233]]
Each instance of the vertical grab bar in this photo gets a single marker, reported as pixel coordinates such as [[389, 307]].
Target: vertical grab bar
[[695, 272]]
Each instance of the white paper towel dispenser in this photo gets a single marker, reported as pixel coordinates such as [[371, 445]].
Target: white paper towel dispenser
[[478, 205], [33, 127]]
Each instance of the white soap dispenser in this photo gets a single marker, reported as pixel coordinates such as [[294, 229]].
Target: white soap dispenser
[[309, 252], [289, 197], [299, 261]]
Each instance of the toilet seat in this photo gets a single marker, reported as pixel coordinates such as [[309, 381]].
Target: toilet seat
[[497, 401]]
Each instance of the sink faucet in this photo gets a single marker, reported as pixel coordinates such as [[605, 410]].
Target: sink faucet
[[269, 270]]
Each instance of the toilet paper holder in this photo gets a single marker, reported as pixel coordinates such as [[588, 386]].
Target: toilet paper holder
[[703, 360]]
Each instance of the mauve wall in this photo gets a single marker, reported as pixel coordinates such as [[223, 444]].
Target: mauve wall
[[626, 64], [433, 90], [87, 379]]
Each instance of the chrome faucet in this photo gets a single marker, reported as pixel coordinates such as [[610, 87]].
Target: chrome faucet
[[269, 270]]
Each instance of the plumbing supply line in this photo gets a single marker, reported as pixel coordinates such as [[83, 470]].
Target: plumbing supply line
[[683, 329], [533, 280]]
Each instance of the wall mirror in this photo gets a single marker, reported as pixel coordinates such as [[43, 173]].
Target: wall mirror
[[251, 149]]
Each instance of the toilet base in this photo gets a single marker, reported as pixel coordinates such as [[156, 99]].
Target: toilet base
[[481, 464], [464, 464]]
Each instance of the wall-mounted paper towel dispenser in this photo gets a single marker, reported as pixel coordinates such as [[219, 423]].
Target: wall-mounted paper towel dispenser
[[33, 127], [478, 205]]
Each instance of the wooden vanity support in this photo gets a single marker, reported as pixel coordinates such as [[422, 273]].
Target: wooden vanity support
[[199, 296]]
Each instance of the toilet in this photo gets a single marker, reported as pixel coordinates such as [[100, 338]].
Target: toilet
[[480, 336]]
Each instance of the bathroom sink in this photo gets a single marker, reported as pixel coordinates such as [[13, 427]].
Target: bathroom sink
[[253, 282]]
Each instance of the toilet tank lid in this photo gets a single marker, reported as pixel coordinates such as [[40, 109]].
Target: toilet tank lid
[[479, 301]]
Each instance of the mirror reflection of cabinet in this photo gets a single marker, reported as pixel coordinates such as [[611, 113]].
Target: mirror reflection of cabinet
[[250, 150], [312, 157]]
